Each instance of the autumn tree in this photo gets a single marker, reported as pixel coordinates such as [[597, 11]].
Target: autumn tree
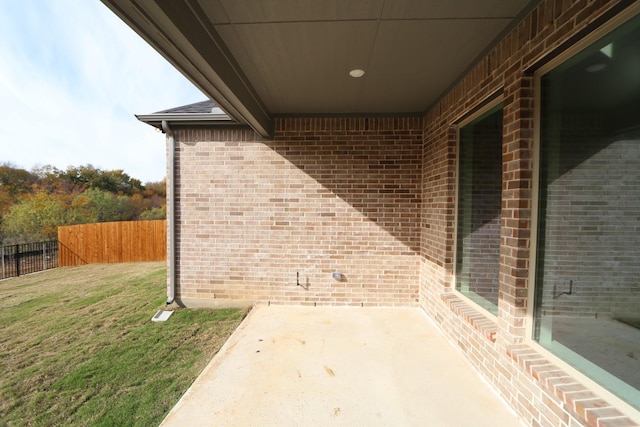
[[95, 205], [51, 180], [33, 204], [35, 217], [158, 189], [14, 183], [116, 181], [16, 180], [154, 213]]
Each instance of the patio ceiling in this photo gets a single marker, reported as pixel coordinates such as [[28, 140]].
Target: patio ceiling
[[259, 59]]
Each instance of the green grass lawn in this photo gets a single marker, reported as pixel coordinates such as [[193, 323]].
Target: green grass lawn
[[77, 346]]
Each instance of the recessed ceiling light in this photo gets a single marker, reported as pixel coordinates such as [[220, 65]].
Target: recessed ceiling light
[[356, 73]]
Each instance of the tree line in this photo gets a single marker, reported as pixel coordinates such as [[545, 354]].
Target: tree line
[[34, 203]]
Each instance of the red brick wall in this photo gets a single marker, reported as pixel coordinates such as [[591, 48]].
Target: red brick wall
[[325, 195], [541, 393], [374, 198]]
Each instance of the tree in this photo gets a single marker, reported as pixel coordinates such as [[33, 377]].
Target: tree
[[52, 180], [14, 183], [158, 189], [17, 181], [36, 217], [95, 205], [33, 204], [115, 181], [154, 213], [6, 200]]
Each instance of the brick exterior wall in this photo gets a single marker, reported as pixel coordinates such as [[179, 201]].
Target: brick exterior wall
[[541, 392], [257, 217], [374, 198]]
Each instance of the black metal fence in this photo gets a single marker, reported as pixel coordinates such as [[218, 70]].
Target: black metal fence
[[26, 258]]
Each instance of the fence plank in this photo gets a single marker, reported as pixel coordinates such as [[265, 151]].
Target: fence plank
[[113, 242]]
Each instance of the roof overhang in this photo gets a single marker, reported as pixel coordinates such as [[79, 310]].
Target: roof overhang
[[186, 119], [258, 60], [179, 31]]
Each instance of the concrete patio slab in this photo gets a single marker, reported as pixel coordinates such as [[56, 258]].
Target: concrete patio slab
[[320, 366]]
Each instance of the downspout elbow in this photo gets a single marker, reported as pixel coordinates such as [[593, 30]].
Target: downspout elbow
[[171, 212]]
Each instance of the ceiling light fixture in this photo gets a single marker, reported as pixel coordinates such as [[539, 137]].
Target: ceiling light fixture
[[356, 73]]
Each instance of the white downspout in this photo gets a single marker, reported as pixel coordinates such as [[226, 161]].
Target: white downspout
[[171, 213]]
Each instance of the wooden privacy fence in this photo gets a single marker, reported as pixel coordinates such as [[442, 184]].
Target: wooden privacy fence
[[112, 242]]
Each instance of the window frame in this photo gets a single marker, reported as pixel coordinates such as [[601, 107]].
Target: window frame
[[483, 107], [611, 25]]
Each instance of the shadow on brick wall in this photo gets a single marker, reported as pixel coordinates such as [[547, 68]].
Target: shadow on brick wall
[[373, 164]]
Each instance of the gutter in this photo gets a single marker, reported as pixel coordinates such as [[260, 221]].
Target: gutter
[[186, 119], [171, 214]]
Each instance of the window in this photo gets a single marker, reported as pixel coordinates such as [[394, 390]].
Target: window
[[479, 207], [587, 285]]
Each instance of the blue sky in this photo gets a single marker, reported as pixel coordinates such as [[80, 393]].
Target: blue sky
[[72, 76]]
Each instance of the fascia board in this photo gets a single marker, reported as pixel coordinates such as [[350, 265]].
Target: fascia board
[[184, 119], [193, 46]]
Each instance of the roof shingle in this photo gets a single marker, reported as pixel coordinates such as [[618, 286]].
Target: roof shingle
[[198, 107]]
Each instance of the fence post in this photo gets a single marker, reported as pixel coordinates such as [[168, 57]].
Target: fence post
[[44, 255], [17, 256], [3, 270]]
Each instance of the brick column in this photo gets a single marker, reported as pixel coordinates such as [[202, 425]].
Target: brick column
[[450, 229], [517, 185]]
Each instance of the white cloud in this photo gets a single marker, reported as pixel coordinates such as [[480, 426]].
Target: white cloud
[[71, 79]]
